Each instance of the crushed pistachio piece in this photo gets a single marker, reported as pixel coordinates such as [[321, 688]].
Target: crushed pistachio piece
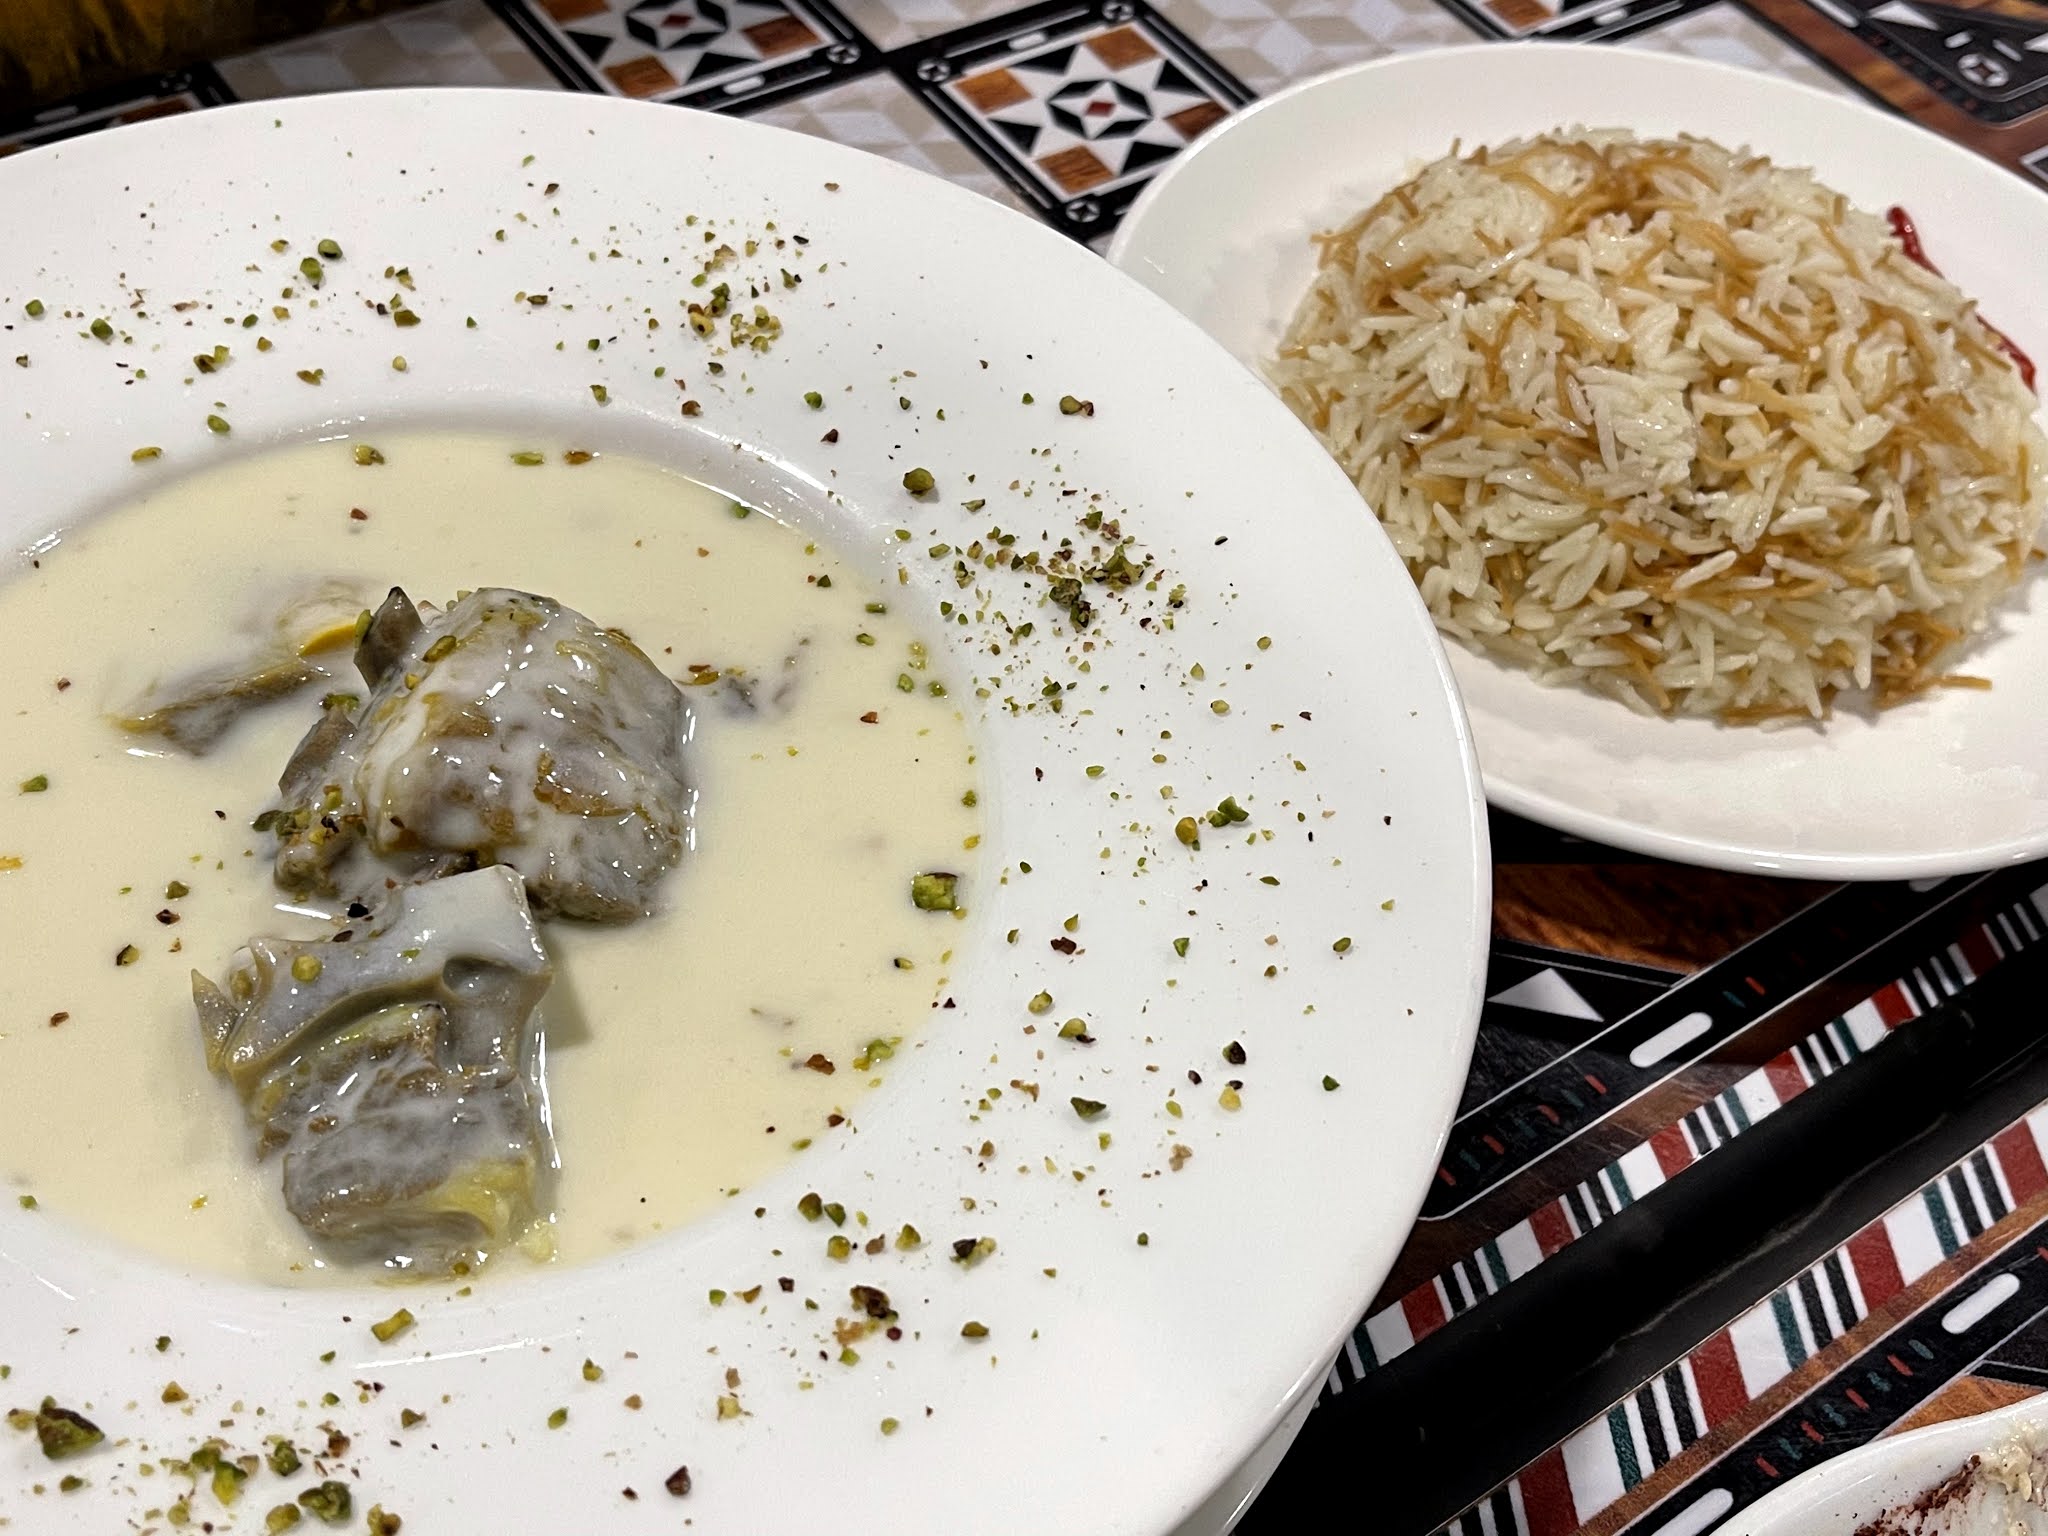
[[1087, 1109], [36, 785], [143, 455], [330, 1501], [1343, 945], [62, 1432], [392, 1326], [218, 425], [918, 482], [281, 1518], [366, 455], [936, 891], [528, 458], [558, 1418], [1330, 1084]]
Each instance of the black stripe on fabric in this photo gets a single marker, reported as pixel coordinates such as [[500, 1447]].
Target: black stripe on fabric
[[1825, 1049], [1660, 1450], [1503, 1506], [1807, 1064], [1816, 1314], [1703, 1139], [2023, 911], [1575, 1199], [1454, 1289], [1988, 1182], [1966, 1206], [1718, 1120], [1681, 1406], [1946, 976], [2008, 933], [1838, 1285], [1602, 1201]]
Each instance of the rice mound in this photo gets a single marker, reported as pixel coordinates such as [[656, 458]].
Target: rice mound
[[1672, 422]]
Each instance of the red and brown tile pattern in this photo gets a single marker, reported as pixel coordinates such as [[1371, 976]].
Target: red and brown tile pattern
[[720, 54], [1076, 105]]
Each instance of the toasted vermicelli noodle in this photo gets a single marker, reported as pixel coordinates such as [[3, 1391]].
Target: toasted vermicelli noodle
[[1672, 422]]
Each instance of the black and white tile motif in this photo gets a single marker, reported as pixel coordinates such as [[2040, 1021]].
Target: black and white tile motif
[[1575, 20], [722, 55], [2037, 164], [183, 90], [1078, 105], [1992, 65]]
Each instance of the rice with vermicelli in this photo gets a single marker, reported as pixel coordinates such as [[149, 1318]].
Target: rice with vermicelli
[[1672, 422]]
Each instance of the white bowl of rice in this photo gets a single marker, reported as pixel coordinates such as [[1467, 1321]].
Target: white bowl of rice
[[1726, 502]]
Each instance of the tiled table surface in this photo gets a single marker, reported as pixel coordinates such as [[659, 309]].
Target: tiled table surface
[[1692, 1234]]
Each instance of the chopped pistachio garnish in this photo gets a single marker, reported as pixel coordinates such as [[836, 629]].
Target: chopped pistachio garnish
[[1087, 1109], [1229, 1098], [408, 1417], [814, 400], [392, 1326], [1039, 1003], [163, 1342], [1330, 1084], [127, 954], [329, 249], [283, 1457], [592, 1371], [280, 1518], [306, 969], [1071, 406], [528, 458], [62, 1433], [838, 1248], [935, 892], [399, 365], [330, 1501], [36, 785], [1234, 1054], [227, 1481], [918, 482], [558, 1418], [142, 455], [27, 1202], [71, 1482], [1188, 832], [677, 1482], [383, 1522], [974, 1330], [1180, 947], [33, 309], [728, 1406], [101, 330], [909, 1238], [1343, 945], [366, 455], [218, 425], [600, 394], [311, 270], [716, 1297], [889, 1426], [811, 1206], [173, 1393]]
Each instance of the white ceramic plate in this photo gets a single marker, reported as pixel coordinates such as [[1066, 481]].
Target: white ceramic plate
[[1840, 1496], [1124, 1391], [1948, 783]]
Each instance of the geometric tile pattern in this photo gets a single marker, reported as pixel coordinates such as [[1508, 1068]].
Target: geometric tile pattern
[[880, 114], [182, 90], [1577, 20], [448, 42], [726, 55], [1076, 104], [1728, 34], [1271, 43]]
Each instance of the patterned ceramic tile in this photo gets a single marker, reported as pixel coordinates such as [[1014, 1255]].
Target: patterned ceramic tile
[[723, 55], [877, 113], [1270, 43], [890, 24], [1078, 104], [451, 42], [182, 90], [1579, 20], [1733, 36]]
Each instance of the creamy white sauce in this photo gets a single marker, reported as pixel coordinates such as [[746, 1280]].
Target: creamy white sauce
[[674, 1046]]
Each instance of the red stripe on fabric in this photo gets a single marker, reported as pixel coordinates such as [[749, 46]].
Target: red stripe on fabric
[[1811, 1433], [1782, 1072], [2021, 1160], [1754, 985], [1893, 1006], [1547, 1496], [1877, 1268], [1672, 1152], [1594, 1082], [1899, 1365], [1549, 1112], [1424, 1310], [1494, 1146], [1552, 1230], [1978, 950], [1445, 1175], [1719, 1379]]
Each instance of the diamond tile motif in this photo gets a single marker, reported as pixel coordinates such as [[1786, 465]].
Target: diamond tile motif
[[1577, 20], [1272, 43], [1077, 105], [724, 55], [183, 90]]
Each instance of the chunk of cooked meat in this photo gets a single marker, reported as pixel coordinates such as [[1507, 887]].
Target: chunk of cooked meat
[[510, 730], [397, 1068], [194, 709]]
